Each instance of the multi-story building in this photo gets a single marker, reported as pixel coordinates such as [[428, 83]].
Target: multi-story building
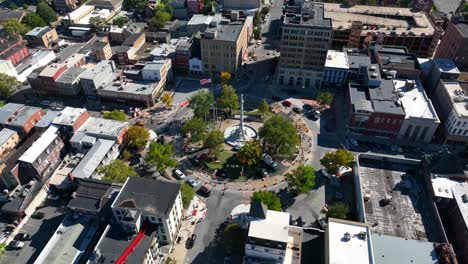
[[336, 68], [182, 57], [224, 46], [98, 128], [9, 139], [33, 62], [159, 70], [7, 68], [70, 119], [156, 203], [451, 101], [44, 82], [125, 54], [102, 50], [101, 75], [6, 13], [305, 39], [13, 50], [194, 6], [356, 26], [128, 91], [242, 4], [40, 160], [397, 60], [65, 5], [436, 69], [19, 117], [42, 36], [454, 45], [68, 84]]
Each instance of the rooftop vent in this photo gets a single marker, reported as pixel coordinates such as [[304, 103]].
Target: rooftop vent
[[347, 236], [465, 198]]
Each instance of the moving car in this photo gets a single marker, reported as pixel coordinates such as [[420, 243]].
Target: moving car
[[22, 236], [179, 174], [15, 245]]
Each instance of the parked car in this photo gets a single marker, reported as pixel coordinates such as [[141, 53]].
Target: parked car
[[322, 222], [53, 197], [15, 245], [22, 236], [269, 160], [313, 114], [179, 174], [286, 103], [297, 110], [206, 189], [192, 182], [191, 241], [38, 215], [235, 148]]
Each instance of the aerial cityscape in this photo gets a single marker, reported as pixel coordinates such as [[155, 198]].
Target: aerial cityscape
[[233, 131]]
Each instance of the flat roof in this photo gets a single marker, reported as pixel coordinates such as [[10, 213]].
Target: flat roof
[[23, 115], [40, 145], [100, 127], [336, 59], [460, 192], [131, 87], [395, 59], [274, 227], [311, 14], [442, 187], [447, 6], [5, 135], [392, 250], [38, 31], [71, 75], [51, 70], [7, 110], [385, 18], [198, 19], [153, 197], [458, 92], [47, 119], [415, 101], [354, 250], [446, 65], [68, 116], [226, 32], [92, 194], [93, 159]]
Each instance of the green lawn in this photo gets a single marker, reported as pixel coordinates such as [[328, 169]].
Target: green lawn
[[222, 158]]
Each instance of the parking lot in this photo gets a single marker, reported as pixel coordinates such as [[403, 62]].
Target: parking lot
[[40, 231]]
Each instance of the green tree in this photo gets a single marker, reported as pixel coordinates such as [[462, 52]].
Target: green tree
[[225, 77], [200, 103], [265, 10], [137, 137], [270, 199], [332, 161], [325, 98], [232, 239], [2, 103], [187, 193], [97, 22], [14, 28], [214, 140], [120, 21], [166, 98], [12, 6], [33, 20], [117, 171], [160, 156], [46, 12], [115, 115], [338, 210], [263, 107], [137, 5], [257, 32], [8, 85], [228, 101], [279, 136], [170, 261], [126, 155], [302, 179], [250, 153], [195, 128], [159, 19]]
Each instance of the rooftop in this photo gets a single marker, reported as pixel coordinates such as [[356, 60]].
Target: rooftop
[[336, 59], [395, 200], [153, 197], [394, 58], [47, 119], [458, 92], [442, 187], [274, 227], [103, 128], [155, 65], [414, 100], [40, 145], [92, 195], [311, 14], [447, 6], [446, 65], [8, 110], [131, 87], [460, 192], [389, 19], [71, 75], [342, 250], [463, 29], [38, 31], [17, 114], [198, 19], [225, 32], [134, 37], [100, 44], [5, 135], [68, 116], [93, 159], [391, 250], [52, 69], [6, 14], [90, 73], [380, 99]]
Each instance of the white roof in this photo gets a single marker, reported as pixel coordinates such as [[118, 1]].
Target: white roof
[[354, 250], [93, 159], [275, 227], [415, 101], [459, 191], [103, 128], [336, 59], [198, 19], [40, 145], [458, 96], [68, 116], [443, 187]]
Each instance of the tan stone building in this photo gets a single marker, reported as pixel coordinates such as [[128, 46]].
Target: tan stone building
[[102, 50], [41, 36], [8, 141], [224, 46]]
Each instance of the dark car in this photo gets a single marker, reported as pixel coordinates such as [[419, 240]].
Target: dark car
[[286, 103], [22, 236], [206, 189], [191, 241], [297, 110], [38, 215], [221, 173], [313, 114]]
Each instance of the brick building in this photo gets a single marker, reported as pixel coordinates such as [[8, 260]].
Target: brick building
[[13, 51], [19, 117], [454, 45]]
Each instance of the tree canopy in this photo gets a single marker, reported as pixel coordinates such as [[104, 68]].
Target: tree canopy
[[187, 193], [160, 156], [115, 115], [250, 153], [200, 103], [117, 171], [338, 210], [302, 179], [120, 21], [214, 141], [279, 136], [270, 199], [159, 19], [228, 101], [232, 239], [14, 28], [195, 129], [8, 85], [33, 20], [97, 22], [137, 137], [325, 98], [332, 161], [166, 98], [137, 5], [263, 107], [225, 77], [46, 12]]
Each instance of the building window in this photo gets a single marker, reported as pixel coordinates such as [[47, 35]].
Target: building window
[[377, 120], [424, 132], [454, 131], [164, 237], [291, 81]]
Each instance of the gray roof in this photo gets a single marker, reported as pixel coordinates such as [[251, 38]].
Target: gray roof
[[71, 76], [153, 197], [395, 59], [463, 29], [38, 31], [47, 119], [312, 14], [68, 116], [92, 159], [92, 195], [130, 40], [359, 99], [227, 32], [7, 110], [5, 135], [100, 44], [356, 60], [380, 99], [390, 250], [22, 117], [6, 14], [447, 6]]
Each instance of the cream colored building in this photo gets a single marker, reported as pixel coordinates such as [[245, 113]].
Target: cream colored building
[[42, 36], [8, 141], [102, 50], [224, 47]]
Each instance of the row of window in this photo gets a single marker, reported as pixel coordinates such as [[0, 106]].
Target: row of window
[[306, 32]]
